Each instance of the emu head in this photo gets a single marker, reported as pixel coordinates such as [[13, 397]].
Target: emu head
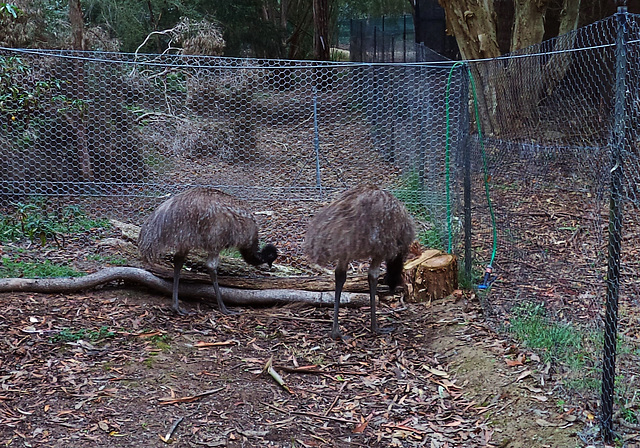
[[269, 253]]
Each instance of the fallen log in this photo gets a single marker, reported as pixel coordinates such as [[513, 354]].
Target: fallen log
[[248, 280], [204, 292]]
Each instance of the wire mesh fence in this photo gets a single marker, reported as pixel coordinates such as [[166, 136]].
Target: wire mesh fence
[[393, 40], [561, 149], [134, 128]]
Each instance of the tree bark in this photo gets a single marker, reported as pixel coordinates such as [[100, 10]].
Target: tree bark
[[473, 25], [528, 23], [77, 31], [434, 275], [321, 44], [197, 291], [569, 16]]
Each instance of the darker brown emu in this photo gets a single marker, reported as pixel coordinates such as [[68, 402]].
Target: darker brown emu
[[363, 223], [206, 219]]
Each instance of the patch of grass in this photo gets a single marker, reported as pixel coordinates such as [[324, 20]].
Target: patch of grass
[[69, 335], [430, 238], [230, 253], [15, 268], [150, 361], [557, 342]]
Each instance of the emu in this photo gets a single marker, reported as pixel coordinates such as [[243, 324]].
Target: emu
[[207, 219], [365, 222]]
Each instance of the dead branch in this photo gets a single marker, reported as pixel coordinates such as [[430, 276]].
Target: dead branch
[[203, 292]]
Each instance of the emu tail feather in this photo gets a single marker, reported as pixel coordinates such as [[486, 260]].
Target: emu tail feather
[[395, 267]]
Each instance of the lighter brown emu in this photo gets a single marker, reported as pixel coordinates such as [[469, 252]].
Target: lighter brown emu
[[207, 219], [364, 223]]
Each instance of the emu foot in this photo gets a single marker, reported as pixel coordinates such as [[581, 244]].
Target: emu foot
[[227, 312], [182, 312], [337, 335]]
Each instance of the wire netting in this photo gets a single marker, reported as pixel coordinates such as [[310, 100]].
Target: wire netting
[[287, 135], [551, 123]]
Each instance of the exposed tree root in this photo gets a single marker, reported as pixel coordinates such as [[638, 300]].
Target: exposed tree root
[[204, 292]]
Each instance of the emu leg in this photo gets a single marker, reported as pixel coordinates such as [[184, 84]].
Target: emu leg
[[178, 262], [212, 268], [341, 277], [374, 272]]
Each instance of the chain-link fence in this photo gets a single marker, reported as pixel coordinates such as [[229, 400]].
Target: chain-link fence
[[131, 129], [561, 148]]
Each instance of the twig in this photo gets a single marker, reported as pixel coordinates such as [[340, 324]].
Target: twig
[[269, 369], [335, 400], [314, 371], [166, 438]]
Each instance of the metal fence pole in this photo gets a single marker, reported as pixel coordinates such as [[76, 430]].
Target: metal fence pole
[[615, 232], [316, 141], [465, 130]]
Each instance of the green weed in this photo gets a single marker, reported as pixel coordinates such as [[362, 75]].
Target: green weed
[[420, 203], [69, 335], [34, 221], [161, 341]]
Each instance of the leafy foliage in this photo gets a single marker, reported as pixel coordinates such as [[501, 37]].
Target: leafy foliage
[[33, 221], [413, 194], [22, 99], [69, 335]]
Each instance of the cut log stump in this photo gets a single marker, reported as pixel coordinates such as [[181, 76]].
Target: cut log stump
[[433, 275]]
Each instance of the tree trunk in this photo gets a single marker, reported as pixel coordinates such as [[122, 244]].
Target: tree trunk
[[434, 275], [569, 16], [528, 23], [473, 25], [508, 96], [77, 31], [321, 42]]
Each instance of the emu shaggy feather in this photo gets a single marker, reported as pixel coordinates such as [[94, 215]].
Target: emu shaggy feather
[[207, 219], [364, 223]]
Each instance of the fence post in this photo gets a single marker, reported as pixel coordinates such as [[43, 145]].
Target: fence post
[[615, 231], [465, 130], [316, 140], [375, 44], [404, 38]]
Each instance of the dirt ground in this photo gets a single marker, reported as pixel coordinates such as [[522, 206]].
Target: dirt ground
[[116, 367]]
